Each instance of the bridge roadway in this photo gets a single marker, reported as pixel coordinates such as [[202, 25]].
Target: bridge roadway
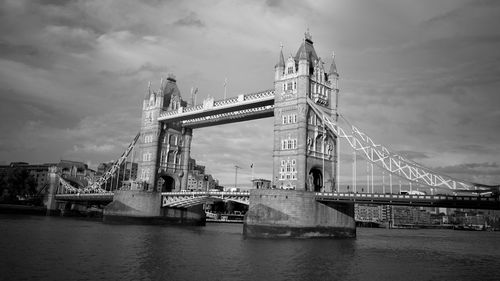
[[90, 197], [191, 198], [446, 201]]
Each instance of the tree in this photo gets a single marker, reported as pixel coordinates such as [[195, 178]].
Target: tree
[[17, 183]]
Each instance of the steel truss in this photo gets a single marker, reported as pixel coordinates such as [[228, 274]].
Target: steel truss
[[388, 160], [95, 187]]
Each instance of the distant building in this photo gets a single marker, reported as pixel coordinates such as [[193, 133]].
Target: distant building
[[126, 172], [261, 184], [368, 213], [197, 179], [73, 171], [406, 215]]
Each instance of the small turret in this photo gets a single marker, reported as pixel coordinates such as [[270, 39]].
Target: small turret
[[303, 59], [148, 92], [333, 74], [280, 66]]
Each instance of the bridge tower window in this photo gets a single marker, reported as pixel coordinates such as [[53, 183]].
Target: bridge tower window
[[288, 170], [288, 144]]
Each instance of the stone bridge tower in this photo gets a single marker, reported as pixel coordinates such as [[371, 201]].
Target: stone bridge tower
[[163, 147], [304, 154], [162, 153]]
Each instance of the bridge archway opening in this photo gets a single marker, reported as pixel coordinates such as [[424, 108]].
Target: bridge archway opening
[[316, 179], [168, 184]]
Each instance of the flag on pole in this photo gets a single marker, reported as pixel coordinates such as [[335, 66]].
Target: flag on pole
[[251, 166]]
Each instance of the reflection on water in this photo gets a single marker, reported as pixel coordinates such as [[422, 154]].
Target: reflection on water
[[47, 248]]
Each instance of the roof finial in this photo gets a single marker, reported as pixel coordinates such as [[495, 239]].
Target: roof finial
[[307, 35], [281, 45], [149, 86], [333, 54]]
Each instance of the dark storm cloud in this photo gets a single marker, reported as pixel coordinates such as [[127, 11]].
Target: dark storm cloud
[[27, 54], [417, 77], [17, 107], [191, 20], [462, 11], [149, 68], [274, 3]]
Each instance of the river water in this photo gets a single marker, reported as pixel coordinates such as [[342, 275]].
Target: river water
[[53, 248]]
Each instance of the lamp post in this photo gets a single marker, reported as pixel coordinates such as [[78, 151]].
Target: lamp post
[[236, 167]]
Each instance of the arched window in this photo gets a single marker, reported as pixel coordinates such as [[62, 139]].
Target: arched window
[[319, 143]]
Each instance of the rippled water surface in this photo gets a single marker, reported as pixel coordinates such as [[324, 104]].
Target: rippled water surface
[[49, 248]]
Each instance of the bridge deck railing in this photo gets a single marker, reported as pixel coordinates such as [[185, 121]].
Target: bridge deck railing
[[212, 104], [405, 196]]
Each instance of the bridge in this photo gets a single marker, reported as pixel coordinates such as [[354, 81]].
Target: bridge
[[308, 131], [192, 198]]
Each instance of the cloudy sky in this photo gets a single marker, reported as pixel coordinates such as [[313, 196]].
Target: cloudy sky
[[421, 77]]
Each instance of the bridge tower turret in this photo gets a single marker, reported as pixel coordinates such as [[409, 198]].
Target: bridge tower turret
[[163, 148], [304, 157], [280, 66], [148, 141], [304, 154]]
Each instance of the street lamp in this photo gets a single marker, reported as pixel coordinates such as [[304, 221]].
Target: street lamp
[[236, 167]]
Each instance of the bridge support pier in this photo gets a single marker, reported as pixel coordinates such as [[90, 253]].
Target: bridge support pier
[[275, 213], [144, 207], [50, 199]]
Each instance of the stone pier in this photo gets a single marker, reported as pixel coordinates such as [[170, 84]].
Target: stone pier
[[144, 207], [275, 213]]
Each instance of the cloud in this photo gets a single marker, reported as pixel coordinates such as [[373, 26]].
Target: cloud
[[191, 20], [484, 173], [421, 78], [412, 155]]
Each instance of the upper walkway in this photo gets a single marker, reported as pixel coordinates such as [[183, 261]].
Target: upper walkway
[[235, 109]]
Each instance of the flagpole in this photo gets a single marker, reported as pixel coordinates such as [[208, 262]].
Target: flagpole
[[225, 88], [252, 171]]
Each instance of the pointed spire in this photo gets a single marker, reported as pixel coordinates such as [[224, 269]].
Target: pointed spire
[[148, 93], [161, 85], [333, 66], [281, 62], [303, 52]]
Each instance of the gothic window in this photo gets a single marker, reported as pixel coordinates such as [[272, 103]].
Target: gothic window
[[289, 119], [171, 156], [173, 140], [163, 157], [319, 143], [289, 86], [290, 69], [288, 170], [288, 144]]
